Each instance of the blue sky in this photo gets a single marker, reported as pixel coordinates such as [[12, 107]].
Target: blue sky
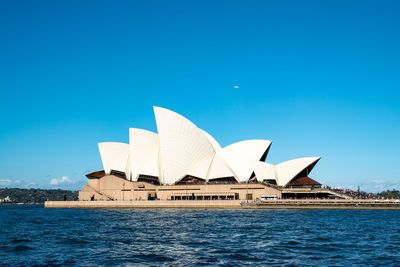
[[318, 78]]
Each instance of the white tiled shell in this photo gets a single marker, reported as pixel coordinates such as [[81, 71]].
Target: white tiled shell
[[287, 170], [144, 147], [264, 171], [182, 145], [114, 156], [201, 169], [241, 156], [219, 168], [212, 140]]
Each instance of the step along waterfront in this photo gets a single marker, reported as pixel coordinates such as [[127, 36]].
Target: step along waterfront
[[233, 204]]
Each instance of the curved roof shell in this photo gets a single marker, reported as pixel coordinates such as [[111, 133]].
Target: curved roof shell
[[201, 169], [219, 168], [182, 145], [288, 170], [265, 171], [242, 156], [212, 140], [114, 156], [143, 158]]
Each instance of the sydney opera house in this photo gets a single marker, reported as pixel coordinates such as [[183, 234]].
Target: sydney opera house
[[184, 162]]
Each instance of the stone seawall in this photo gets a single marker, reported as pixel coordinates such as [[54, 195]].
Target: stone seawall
[[348, 206], [225, 204], [216, 204]]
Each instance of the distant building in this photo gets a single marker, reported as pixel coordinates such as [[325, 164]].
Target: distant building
[[7, 199], [182, 161]]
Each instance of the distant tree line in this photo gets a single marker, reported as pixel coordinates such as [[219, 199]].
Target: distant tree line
[[389, 194], [18, 195]]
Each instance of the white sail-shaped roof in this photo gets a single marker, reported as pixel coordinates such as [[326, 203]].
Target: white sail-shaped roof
[[220, 169], [182, 144], [144, 149], [212, 140], [181, 148], [288, 170], [200, 169], [114, 156], [264, 171], [241, 156]]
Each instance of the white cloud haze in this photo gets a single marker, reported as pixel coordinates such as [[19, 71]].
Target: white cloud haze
[[16, 183], [5, 182], [62, 180]]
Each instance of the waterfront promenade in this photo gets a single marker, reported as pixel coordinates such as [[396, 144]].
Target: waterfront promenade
[[234, 204]]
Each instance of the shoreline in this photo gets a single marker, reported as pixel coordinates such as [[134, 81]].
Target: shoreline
[[20, 204], [227, 204]]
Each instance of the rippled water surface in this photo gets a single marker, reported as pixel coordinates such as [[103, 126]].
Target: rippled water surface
[[32, 235]]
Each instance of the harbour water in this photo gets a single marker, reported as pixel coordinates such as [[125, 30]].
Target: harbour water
[[33, 235]]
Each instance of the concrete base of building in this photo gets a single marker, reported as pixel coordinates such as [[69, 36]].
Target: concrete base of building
[[114, 188]]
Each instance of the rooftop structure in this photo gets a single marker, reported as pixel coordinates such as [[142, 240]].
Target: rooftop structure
[[183, 154], [180, 150]]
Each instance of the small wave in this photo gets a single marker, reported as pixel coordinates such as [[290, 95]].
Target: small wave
[[72, 241], [292, 243], [20, 248], [16, 240], [199, 237]]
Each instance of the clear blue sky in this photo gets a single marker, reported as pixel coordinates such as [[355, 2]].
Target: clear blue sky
[[318, 78]]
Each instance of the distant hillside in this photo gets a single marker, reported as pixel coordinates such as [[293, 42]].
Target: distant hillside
[[18, 195]]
